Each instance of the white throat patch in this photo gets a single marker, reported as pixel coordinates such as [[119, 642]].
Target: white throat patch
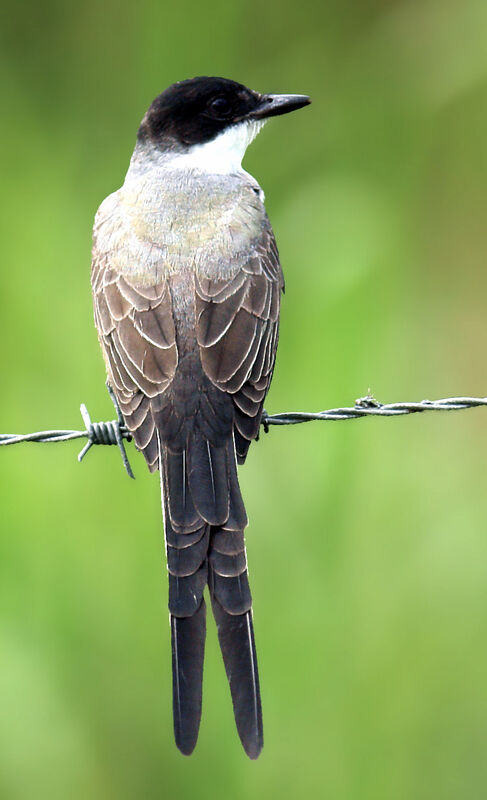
[[224, 154]]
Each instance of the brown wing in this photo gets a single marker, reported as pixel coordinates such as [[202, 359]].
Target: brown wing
[[136, 329], [237, 331]]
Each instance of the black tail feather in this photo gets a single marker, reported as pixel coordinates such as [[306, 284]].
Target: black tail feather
[[185, 561], [236, 637], [208, 479], [188, 650]]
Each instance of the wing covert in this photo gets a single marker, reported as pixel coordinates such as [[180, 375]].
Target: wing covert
[[136, 329], [237, 323]]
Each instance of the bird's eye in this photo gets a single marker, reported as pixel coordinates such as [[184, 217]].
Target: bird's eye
[[220, 105]]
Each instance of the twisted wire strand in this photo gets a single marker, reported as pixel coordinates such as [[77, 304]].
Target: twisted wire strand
[[368, 406], [114, 432]]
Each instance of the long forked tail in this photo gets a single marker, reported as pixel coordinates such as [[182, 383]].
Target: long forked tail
[[204, 528]]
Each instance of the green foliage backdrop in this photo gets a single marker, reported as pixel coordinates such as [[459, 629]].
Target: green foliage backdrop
[[367, 543]]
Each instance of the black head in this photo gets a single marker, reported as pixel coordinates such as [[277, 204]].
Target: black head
[[197, 110]]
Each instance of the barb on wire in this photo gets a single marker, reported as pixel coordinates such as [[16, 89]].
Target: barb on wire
[[114, 432]]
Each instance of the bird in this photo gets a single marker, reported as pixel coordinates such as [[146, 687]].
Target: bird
[[187, 284]]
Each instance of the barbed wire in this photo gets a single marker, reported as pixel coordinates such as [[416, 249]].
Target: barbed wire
[[114, 432], [368, 406]]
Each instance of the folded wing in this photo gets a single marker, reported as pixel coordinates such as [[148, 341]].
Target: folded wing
[[136, 329], [237, 332]]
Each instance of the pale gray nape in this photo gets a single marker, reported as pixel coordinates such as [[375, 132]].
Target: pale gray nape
[[166, 220]]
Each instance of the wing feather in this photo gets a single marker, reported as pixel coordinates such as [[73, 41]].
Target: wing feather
[[136, 329], [118, 305], [237, 332], [222, 360]]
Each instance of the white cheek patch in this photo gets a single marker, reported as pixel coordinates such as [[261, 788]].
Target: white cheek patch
[[224, 154]]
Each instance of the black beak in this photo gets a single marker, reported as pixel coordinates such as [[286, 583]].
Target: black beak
[[272, 105]]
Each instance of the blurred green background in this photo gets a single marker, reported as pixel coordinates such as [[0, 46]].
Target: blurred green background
[[367, 542]]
